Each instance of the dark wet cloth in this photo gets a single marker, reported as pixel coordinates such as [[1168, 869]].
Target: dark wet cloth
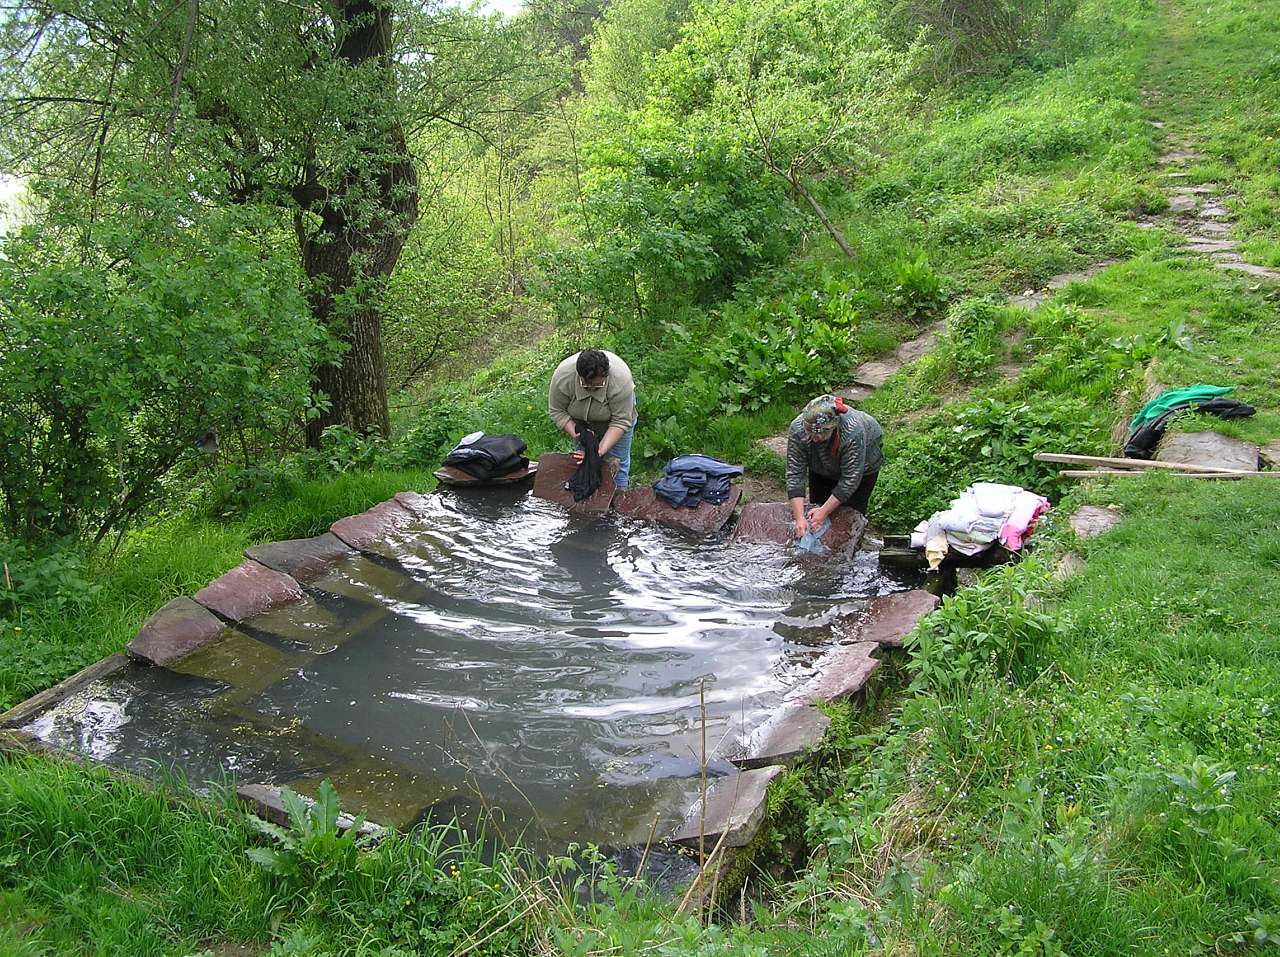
[[586, 480], [690, 480], [488, 456], [820, 489], [1142, 443]]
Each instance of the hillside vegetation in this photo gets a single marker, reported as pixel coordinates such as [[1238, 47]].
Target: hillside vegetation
[[745, 200]]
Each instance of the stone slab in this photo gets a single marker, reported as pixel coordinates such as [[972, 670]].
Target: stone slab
[[771, 523], [1183, 204], [1270, 454], [786, 737], [457, 478], [735, 810], [264, 800], [644, 505], [874, 374], [842, 673], [853, 393], [247, 590], [556, 468], [1068, 565], [1214, 211], [26, 711], [1089, 521], [303, 559], [176, 630], [1211, 449], [890, 618], [373, 525], [415, 503], [235, 659], [1253, 269]]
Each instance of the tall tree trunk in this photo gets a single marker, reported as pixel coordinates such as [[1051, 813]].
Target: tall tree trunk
[[365, 218]]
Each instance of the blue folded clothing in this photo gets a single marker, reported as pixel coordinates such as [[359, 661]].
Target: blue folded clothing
[[811, 541], [691, 480]]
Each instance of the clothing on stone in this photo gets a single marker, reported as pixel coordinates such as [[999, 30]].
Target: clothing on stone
[[611, 403], [811, 541], [690, 480], [1148, 430], [852, 452], [586, 480], [488, 456], [983, 514]]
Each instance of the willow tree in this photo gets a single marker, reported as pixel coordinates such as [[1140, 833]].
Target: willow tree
[[307, 107]]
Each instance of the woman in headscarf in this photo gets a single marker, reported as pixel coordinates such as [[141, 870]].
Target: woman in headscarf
[[835, 450]]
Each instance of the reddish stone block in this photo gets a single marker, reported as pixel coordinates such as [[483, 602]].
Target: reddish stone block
[[556, 468], [173, 632], [842, 672], [786, 737], [247, 590], [372, 526], [304, 559], [736, 807], [644, 505], [771, 522], [449, 475], [889, 619]]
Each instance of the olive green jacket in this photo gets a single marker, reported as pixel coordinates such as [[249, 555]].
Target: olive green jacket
[[614, 403]]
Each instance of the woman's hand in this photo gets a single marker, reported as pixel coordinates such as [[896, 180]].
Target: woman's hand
[[802, 527], [817, 517]]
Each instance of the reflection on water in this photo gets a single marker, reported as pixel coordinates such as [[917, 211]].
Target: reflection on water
[[498, 660]]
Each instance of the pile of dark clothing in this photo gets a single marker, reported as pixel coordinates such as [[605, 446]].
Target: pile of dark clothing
[[1149, 425], [690, 480], [487, 457]]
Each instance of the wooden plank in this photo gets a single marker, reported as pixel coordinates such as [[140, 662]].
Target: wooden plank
[[1128, 464], [24, 712], [1107, 473]]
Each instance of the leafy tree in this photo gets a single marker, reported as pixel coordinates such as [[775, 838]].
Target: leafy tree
[[309, 108], [624, 46], [122, 358], [807, 86]]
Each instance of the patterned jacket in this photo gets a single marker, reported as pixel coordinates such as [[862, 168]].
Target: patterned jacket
[[854, 451]]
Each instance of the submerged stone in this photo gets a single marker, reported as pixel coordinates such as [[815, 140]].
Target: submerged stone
[[372, 526], [771, 522], [247, 590], [644, 505], [556, 468], [265, 801], [237, 660], [736, 806], [1210, 449], [301, 558], [176, 630]]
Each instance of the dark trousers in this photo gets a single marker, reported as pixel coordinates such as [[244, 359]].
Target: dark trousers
[[821, 487]]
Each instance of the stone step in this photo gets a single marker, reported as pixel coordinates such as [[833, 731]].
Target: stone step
[[1210, 449], [735, 809]]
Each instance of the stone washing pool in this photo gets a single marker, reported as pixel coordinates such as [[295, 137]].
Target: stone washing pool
[[497, 660]]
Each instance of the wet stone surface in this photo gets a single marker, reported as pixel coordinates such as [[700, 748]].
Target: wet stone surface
[[889, 619], [556, 468], [843, 672], [642, 504], [301, 558], [786, 737], [373, 526], [176, 630], [772, 523], [449, 475], [247, 590], [735, 809]]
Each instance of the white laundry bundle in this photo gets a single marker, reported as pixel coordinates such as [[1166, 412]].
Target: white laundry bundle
[[984, 513]]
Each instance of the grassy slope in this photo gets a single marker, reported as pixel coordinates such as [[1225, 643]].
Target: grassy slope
[[1070, 802]]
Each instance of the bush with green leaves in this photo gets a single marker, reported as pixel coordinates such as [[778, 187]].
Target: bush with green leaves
[[121, 357]]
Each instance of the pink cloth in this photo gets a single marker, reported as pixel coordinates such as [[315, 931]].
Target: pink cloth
[[1026, 509]]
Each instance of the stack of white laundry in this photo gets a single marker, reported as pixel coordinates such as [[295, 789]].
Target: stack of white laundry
[[984, 513]]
